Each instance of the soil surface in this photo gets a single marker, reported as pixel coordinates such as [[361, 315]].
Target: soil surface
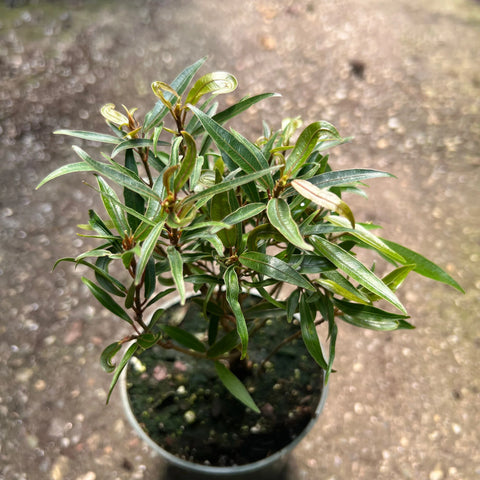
[[401, 76], [179, 402]]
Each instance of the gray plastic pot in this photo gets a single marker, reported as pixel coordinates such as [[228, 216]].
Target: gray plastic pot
[[270, 467]]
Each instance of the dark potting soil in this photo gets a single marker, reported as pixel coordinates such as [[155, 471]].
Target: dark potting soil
[[182, 405]]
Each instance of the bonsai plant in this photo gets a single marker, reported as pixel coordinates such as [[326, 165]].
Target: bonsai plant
[[253, 235]]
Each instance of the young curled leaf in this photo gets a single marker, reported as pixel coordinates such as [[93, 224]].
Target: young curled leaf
[[114, 116], [107, 356], [324, 199], [216, 83], [159, 87]]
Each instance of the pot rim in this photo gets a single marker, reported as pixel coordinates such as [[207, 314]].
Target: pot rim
[[211, 469]]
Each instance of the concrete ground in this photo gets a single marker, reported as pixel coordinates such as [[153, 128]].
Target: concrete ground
[[403, 77]]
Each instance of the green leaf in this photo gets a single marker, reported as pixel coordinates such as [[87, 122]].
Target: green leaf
[[96, 252], [112, 207], [104, 279], [133, 199], [311, 264], [216, 83], [225, 186], [188, 163], [280, 217], [92, 136], [274, 268], [128, 355], [309, 332], [423, 266], [227, 343], [183, 337], [339, 285], [396, 277], [115, 175], [132, 143], [372, 318], [236, 150], [235, 110], [341, 177], [232, 290], [235, 386], [176, 266], [107, 301], [355, 269], [107, 356], [292, 304], [306, 143], [147, 340], [244, 213], [70, 168], [368, 237], [147, 249], [150, 278], [324, 199]]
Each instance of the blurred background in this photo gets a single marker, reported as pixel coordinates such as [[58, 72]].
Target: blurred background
[[402, 77]]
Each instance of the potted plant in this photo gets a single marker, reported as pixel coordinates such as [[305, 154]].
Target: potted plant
[[259, 248]]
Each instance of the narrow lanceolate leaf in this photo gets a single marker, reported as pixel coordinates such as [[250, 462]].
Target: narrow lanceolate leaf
[[309, 333], [339, 285], [368, 237], [176, 266], [236, 109], [235, 386], [107, 356], [225, 186], [107, 301], [136, 143], [112, 207], [236, 150], [306, 143], [244, 213], [423, 266], [341, 177], [275, 268], [369, 317], [70, 168], [232, 290], [123, 363], [184, 338], [147, 249], [92, 136], [280, 217], [355, 269], [187, 164], [114, 174], [323, 198], [215, 83], [133, 199]]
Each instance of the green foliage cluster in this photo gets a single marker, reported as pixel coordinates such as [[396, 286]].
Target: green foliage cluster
[[195, 206]]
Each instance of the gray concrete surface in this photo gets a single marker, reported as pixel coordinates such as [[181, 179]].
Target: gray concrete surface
[[401, 406]]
